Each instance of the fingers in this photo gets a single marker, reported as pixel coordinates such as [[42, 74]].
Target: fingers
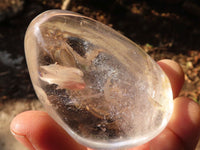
[[167, 140], [36, 130], [183, 129], [174, 73], [184, 126], [185, 121]]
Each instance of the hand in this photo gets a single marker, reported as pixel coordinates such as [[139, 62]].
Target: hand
[[36, 129]]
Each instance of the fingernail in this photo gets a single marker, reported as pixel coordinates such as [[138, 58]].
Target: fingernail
[[15, 134], [23, 139]]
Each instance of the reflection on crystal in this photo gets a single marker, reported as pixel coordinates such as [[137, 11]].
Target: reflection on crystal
[[99, 86]]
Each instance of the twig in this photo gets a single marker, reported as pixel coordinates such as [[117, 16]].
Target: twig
[[4, 73], [65, 4]]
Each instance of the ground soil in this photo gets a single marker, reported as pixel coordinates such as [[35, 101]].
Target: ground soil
[[163, 30]]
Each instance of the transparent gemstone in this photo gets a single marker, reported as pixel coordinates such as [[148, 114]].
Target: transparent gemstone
[[102, 88]]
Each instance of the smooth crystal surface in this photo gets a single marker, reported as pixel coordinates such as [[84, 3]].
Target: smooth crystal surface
[[103, 89]]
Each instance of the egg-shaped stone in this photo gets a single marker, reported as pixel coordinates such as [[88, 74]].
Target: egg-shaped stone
[[102, 88]]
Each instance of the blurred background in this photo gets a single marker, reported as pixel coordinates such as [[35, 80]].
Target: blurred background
[[165, 29]]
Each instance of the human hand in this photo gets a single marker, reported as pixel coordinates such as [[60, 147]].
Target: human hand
[[37, 130]]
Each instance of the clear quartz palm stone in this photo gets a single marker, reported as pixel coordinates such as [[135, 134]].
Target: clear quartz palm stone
[[103, 89]]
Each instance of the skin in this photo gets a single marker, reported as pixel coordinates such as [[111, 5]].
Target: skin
[[37, 131]]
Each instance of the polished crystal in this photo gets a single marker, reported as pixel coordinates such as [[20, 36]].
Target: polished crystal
[[102, 88]]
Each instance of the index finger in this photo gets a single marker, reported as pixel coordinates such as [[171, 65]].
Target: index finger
[[175, 74]]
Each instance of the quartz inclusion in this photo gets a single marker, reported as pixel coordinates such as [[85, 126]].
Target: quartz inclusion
[[103, 89]]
